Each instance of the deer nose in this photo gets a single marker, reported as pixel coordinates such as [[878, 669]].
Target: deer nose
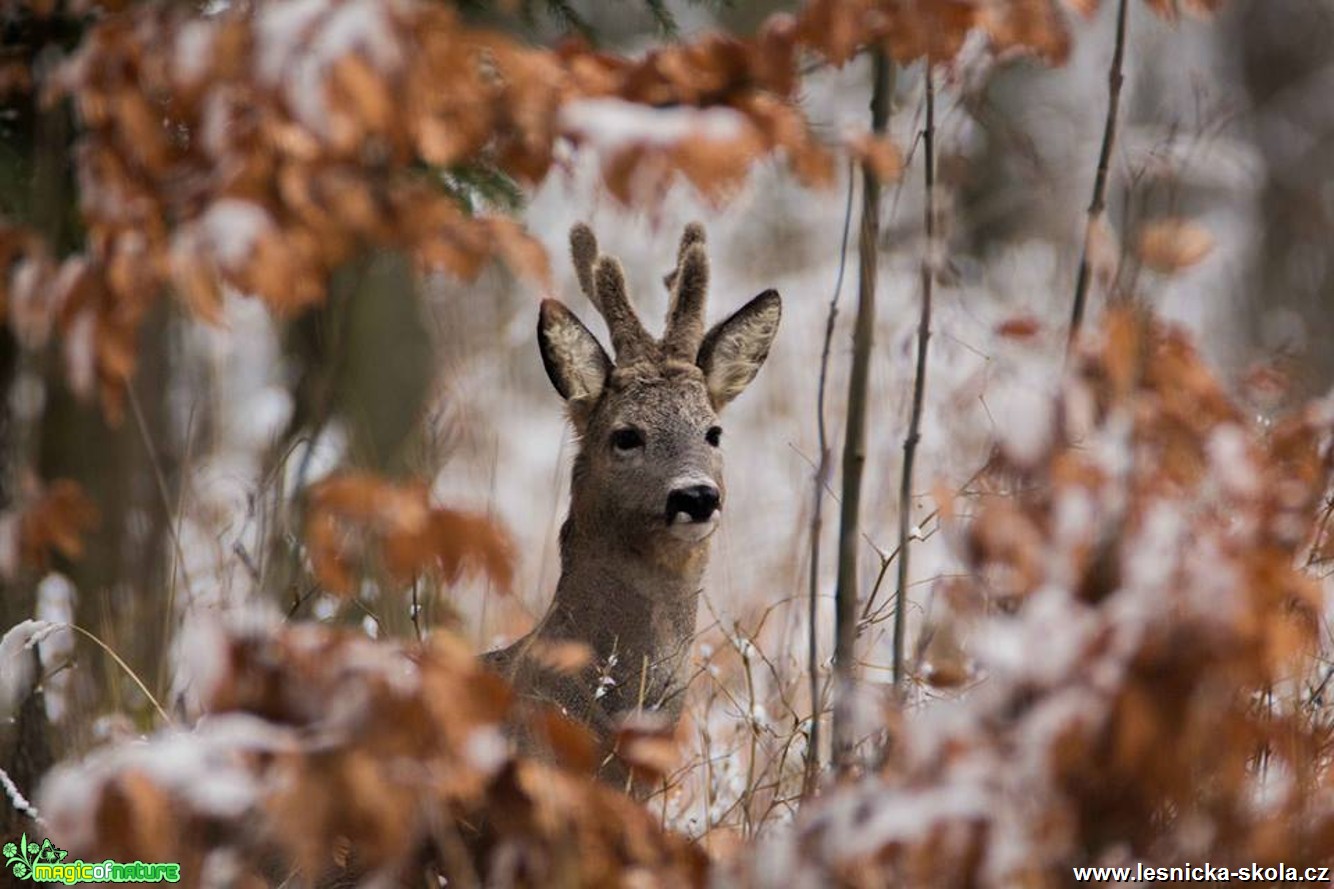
[[699, 502]]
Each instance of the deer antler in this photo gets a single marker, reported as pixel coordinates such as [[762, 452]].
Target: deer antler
[[690, 284], [603, 282], [584, 252]]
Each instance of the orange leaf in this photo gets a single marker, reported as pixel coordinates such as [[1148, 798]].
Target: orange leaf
[[1019, 327], [56, 520], [880, 156], [1170, 245], [647, 744]]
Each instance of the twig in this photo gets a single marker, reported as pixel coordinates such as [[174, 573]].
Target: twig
[[854, 443], [1099, 201], [299, 599], [18, 800], [134, 677], [416, 609], [929, 263], [169, 611], [821, 480], [161, 478]]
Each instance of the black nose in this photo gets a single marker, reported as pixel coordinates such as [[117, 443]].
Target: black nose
[[698, 501]]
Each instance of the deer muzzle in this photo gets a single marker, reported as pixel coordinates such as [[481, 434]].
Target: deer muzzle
[[693, 511]]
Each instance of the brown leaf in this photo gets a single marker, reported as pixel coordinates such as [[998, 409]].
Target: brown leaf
[[1124, 351], [647, 744], [943, 658], [57, 519], [1202, 9], [364, 91], [572, 744], [880, 156], [1020, 327], [196, 281], [1170, 245], [560, 656], [355, 514], [1164, 9]]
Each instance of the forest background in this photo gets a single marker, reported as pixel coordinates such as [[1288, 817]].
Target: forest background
[[275, 426]]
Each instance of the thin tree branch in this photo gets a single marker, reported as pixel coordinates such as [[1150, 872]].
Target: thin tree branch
[[929, 264], [1099, 202], [854, 442], [821, 480], [160, 477]]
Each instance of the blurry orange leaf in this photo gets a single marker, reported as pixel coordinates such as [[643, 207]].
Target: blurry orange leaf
[[1170, 10], [1122, 355], [1019, 327], [1266, 384], [197, 282], [559, 655], [1170, 245], [572, 744], [943, 495], [836, 29], [646, 743], [1164, 9], [944, 662], [55, 519], [356, 515], [1201, 9], [465, 543], [879, 155], [364, 90], [1031, 26]]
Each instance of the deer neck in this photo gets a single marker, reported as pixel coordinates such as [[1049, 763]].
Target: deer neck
[[635, 607]]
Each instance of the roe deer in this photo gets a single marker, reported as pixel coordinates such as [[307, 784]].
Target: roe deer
[[647, 487]]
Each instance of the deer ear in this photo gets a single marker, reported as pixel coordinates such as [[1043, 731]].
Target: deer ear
[[575, 361], [733, 350]]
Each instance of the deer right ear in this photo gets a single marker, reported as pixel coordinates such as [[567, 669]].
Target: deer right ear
[[575, 361], [733, 350]]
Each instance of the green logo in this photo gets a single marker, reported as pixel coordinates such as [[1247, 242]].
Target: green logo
[[44, 863]]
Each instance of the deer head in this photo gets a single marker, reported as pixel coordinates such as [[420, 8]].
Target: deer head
[[648, 476]]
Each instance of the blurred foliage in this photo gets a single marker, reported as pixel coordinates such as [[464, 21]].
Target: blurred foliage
[[323, 158]]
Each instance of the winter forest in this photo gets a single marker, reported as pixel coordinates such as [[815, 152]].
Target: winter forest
[[1018, 576]]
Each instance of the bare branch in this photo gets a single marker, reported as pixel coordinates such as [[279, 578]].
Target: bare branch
[[1099, 201], [854, 443], [821, 482], [919, 380]]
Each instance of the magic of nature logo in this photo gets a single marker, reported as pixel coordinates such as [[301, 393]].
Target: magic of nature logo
[[45, 863]]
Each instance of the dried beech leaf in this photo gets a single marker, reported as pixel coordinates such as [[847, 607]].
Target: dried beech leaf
[[879, 155], [1020, 327], [1170, 245], [560, 656]]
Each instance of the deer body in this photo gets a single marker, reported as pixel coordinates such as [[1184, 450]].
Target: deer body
[[647, 488]]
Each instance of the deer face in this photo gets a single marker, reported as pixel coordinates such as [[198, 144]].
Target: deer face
[[649, 468], [650, 458]]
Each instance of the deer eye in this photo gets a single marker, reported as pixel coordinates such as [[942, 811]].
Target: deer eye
[[627, 439], [714, 435]]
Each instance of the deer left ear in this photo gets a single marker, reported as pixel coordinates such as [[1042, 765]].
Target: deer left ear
[[576, 363], [733, 351]]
